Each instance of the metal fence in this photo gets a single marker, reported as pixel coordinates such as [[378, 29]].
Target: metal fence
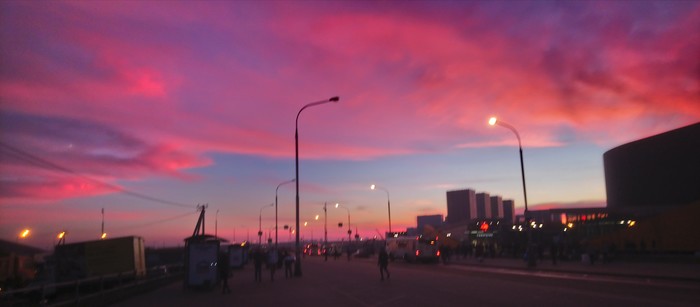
[[92, 291]]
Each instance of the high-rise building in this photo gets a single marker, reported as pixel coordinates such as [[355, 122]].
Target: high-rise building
[[496, 207], [509, 210], [434, 221], [483, 205], [461, 206]]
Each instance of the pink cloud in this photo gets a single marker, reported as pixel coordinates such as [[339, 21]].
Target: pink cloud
[[193, 79]]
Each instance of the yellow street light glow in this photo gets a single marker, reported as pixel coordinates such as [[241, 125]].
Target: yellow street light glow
[[306, 223], [492, 121], [104, 235], [24, 233], [373, 187], [61, 235], [337, 204], [317, 217]]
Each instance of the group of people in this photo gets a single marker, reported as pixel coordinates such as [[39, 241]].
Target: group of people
[[273, 260]]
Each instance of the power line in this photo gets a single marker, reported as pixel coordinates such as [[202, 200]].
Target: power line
[[42, 163], [147, 224], [114, 229]]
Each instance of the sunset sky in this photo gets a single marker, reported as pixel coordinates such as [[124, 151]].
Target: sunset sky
[[148, 108]]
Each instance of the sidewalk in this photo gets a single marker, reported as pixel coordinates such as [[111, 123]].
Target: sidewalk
[[648, 270]]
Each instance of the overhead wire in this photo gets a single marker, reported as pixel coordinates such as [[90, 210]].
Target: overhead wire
[[40, 162]]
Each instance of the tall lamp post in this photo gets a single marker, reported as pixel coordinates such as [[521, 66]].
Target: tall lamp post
[[388, 201], [61, 238], [260, 233], [297, 263], [325, 230], [276, 190], [494, 121], [337, 205]]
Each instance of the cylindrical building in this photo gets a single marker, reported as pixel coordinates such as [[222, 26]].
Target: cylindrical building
[[653, 174]]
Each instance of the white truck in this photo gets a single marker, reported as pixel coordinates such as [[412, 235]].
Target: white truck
[[413, 248]]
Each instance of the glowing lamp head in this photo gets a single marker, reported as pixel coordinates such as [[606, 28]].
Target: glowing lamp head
[[337, 204], [24, 233], [317, 217], [61, 235], [104, 235], [373, 187], [492, 121]]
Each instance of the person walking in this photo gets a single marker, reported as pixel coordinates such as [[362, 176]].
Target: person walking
[[224, 271], [288, 261], [258, 262], [272, 261], [383, 263]]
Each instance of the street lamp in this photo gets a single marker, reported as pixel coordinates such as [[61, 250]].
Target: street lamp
[[325, 231], [297, 263], [337, 205], [388, 201], [494, 121], [276, 190], [61, 238], [25, 233], [260, 233]]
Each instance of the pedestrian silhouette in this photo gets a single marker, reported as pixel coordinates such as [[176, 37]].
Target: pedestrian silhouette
[[383, 263], [272, 262], [258, 262], [224, 271], [288, 261]]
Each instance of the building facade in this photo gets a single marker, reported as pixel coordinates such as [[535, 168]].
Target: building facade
[[496, 207], [509, 211], [483, 205], [461, 205], [654, 174]]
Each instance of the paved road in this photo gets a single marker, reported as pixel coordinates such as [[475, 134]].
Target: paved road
[[356, 283]]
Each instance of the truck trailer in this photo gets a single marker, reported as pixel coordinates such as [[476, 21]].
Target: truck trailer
[[99, 258]]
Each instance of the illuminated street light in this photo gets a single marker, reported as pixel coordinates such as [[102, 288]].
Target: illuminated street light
[[103, 236], [388, 201], [25, 233], [337, 205], [61, 238], [297, 263], [494, 121]]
